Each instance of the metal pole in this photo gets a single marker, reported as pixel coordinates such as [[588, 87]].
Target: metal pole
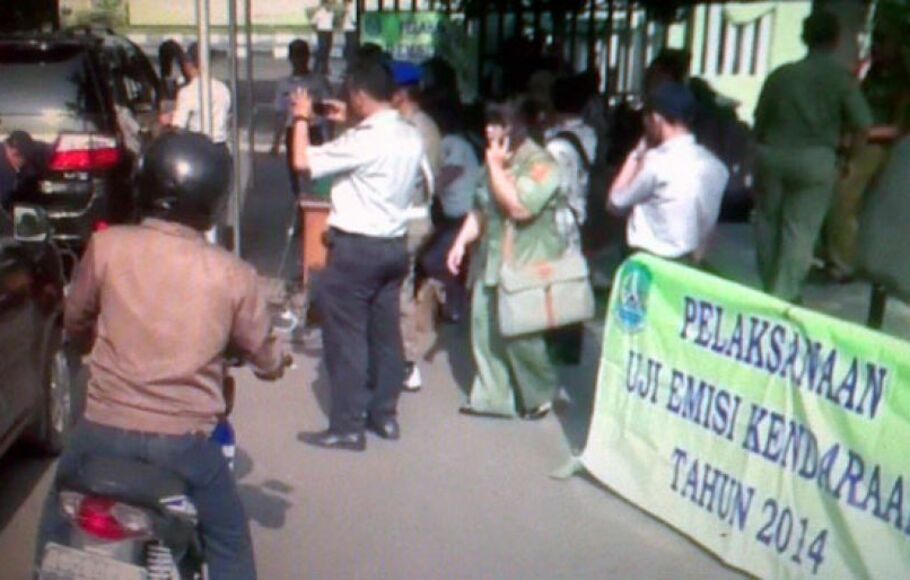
[[592, 40], [237, 197], [250, 96], [878, 301], [205, 68]]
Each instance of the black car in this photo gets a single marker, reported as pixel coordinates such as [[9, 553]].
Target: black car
[[37, 392], [90, 96]]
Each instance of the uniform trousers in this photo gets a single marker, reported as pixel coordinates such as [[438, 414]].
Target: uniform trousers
[[358, 297], [795, 187], [843, 219], [514, 375], [419, 230]]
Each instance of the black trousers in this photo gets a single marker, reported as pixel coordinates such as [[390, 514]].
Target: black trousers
[[358, 298], [433, 264]]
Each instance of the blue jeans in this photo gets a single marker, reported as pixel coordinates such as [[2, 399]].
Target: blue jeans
[[197, 460]]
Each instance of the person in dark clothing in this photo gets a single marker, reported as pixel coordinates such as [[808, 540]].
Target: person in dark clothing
[[16, 158]]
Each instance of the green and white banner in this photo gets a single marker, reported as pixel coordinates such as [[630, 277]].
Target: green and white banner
[[774, 436]]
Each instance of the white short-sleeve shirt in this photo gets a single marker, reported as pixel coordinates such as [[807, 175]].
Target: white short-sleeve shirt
[[675, 199], [324, 19], [188, 114], [375, 167]]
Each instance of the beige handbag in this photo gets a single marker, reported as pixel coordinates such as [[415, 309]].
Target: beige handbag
[[542, 295]]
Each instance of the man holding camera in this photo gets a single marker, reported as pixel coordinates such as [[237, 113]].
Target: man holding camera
[[375, 165]]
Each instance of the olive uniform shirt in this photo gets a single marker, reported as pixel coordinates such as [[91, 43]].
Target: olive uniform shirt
[[537, 239], [807, 103]]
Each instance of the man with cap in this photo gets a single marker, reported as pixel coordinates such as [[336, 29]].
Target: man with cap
[[17, 153], [407, 101], [803, 112], [187, 113], [670, 186]]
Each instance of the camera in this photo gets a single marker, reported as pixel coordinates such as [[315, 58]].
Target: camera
[[322, 108]]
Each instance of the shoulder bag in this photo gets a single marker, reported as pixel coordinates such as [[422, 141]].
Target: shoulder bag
[[542, 295]]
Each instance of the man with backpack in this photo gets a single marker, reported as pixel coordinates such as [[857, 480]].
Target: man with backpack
[[573, 144]]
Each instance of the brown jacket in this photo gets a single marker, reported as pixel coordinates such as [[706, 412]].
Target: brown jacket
[[164, 306]]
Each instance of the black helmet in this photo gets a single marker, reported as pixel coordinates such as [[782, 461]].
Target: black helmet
[[184, 177]]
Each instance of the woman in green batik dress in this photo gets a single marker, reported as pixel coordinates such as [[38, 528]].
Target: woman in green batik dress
[[515, 376]]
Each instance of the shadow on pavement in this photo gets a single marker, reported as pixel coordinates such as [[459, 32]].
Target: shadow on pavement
[[21, 468], [266, 503], [454, 339]]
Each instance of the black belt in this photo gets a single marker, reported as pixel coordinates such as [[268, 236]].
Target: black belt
[[335, 232]]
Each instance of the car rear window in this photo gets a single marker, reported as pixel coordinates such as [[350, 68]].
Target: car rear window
[[48, 89]]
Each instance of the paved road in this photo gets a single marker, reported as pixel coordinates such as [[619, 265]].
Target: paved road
[[455, 498]]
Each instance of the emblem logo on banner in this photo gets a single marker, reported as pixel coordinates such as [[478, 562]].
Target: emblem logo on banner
[[634, 289]]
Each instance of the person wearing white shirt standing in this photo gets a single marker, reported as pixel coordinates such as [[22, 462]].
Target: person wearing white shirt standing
[[324, 18], [671, 186], [187, 113], [375, 165]]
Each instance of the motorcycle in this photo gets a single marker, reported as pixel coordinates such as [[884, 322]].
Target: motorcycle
[[131, 520]]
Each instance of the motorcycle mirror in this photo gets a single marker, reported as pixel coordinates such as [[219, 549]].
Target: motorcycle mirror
[[31, 224]]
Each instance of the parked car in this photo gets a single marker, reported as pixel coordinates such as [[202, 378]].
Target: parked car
[[90, 96], [38, 396]]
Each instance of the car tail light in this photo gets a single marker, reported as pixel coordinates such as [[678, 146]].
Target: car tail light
[[104, 518], [85, 152], [101, 225]]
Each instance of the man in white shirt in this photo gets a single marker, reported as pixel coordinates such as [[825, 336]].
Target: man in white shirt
[[324, 19], [187, 113], [672, 186], [375, 165]]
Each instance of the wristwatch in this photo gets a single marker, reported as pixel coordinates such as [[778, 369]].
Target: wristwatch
[[301, 119]]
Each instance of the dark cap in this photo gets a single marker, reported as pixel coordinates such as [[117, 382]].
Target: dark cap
[[406, 74], [673, 101]]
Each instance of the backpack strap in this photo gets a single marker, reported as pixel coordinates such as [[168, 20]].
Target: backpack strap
[[573, 140]]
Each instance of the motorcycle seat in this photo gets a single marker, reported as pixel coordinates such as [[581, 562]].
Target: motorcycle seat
[[124, 480]]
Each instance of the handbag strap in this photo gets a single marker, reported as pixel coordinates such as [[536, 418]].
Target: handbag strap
[[508, 243]]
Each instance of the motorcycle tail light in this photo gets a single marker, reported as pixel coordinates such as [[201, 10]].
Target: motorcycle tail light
[[106, 519]]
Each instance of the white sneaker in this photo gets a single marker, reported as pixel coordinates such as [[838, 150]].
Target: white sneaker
[[413, 381]]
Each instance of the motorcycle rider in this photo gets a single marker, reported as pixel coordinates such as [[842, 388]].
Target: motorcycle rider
[[160, 306]]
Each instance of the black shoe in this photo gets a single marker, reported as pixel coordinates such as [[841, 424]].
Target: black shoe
[[386, 428], [330, 439], [472, 412]]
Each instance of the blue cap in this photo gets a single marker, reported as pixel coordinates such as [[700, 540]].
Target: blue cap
[[406, 74], [673, 101]]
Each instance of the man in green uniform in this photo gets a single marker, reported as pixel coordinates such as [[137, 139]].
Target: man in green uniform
[[887, 89], [803, 111], [515, 215]]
